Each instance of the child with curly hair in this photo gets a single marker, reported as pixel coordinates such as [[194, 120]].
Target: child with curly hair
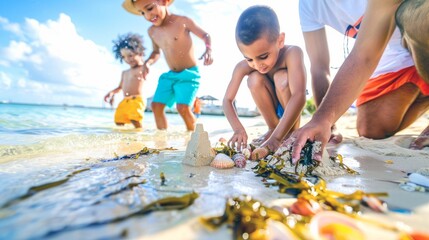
[[129, 48]]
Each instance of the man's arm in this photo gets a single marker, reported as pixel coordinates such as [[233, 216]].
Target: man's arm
[[316, 45], [377, 27]]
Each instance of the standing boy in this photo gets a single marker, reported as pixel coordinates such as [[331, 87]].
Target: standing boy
[[276, 78], [171, 34], [129, 48]]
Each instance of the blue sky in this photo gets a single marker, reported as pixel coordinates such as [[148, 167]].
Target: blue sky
[[59, 51]]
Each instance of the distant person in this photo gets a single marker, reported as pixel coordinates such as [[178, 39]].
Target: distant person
[[197, 107], [275, 74], [171, 34], [389, 102], [129, 48]]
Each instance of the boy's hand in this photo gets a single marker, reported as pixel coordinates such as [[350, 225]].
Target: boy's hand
[[145, 70], [207, 55], [109, 98], [272, 144], [238, 141]]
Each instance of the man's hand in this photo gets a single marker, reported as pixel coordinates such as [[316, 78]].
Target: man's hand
[[315, 130]]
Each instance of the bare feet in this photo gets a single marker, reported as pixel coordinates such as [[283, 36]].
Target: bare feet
[[258, 141], [421, 141], [336, 137]]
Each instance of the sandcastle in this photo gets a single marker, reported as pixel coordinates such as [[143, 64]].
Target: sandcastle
[[199, 151]]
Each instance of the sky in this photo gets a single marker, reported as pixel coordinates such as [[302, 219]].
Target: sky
[[60, 51]]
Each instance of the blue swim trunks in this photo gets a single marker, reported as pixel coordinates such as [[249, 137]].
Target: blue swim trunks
[[279, 110], [178, 87]]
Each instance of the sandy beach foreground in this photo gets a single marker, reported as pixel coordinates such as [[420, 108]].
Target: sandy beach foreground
[[382, 165]]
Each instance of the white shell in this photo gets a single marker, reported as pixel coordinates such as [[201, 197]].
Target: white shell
[[222, 160], [246, 153]]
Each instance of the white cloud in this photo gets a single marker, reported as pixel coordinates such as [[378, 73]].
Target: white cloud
[[5, 81], [11, 27], [54, 58]]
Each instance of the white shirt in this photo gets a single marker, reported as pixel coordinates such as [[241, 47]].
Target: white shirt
[[340, 14]]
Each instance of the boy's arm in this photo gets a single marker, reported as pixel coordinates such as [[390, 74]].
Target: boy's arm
[[239, 137], [316, 45], [153, 57], [377, 27], [110, 96], [199, 32], [296, 77]]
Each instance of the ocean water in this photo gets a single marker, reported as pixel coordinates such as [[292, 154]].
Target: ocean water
[[76, 150]]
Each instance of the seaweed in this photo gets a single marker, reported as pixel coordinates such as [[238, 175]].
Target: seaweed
[[39, 188], [163, 204]]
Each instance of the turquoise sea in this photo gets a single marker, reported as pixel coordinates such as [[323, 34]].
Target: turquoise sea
[[59, 168]]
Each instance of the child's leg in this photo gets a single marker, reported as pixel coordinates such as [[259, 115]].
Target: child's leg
[[263, 94], [136, 124], [159, 114], [284, 94], [185, 112]]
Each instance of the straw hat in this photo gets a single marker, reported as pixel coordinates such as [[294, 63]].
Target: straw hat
[[129, 6]]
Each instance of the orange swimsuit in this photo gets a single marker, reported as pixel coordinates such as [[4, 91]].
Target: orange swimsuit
[[389, 82]]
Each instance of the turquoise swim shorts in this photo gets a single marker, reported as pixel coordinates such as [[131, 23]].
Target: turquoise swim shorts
[[178, 87]]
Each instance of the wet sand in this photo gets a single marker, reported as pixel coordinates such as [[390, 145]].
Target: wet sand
[[381, 164]]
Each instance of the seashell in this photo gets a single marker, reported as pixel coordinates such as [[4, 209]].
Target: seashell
[[246, 152], [259, 153], [221, 160], [222, 140], [334, 225], [239, 160], [277, 230], [305, 207]]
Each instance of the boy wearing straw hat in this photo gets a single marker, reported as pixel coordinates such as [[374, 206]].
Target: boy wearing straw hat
[[171, 34]]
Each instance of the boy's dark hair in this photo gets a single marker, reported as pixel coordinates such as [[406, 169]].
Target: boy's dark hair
[[131, 41], [254, 22]]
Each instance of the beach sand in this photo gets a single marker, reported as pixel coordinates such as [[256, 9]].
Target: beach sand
[[382, 165]]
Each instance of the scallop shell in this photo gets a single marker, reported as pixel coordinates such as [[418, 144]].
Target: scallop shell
[[221, 160], [334, 225], [259, 153], [246, 152], [239, 160]]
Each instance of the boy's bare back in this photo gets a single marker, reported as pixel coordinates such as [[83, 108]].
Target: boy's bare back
[[174, 38]]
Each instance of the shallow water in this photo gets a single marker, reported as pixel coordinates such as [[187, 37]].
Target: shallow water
[[76, 148]]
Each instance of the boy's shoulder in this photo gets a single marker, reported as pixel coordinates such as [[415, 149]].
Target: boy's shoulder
[[292, 51]]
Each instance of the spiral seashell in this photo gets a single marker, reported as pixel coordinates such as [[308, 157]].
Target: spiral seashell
[[246, 152], [259, 153], [222, 160], [239, 160]]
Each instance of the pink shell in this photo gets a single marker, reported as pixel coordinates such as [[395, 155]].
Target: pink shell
[[259, 153], [222, 161], [239, 160]]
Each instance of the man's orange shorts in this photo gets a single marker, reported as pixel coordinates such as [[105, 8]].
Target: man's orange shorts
[[386, 83]]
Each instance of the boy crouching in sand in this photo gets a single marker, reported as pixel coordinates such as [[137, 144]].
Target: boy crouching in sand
[[171, 34], [276, 78], [129, 48]]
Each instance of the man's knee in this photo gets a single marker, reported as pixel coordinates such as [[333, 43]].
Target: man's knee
[[374, 130]]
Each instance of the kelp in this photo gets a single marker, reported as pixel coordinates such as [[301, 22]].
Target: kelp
[[39, 188], [163, 204], [144, 151], [163, 180], [221, 147], [248, 217]]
